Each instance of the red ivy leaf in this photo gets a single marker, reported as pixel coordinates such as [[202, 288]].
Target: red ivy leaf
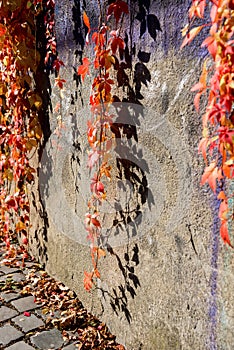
[[84, 68], [57, 64], [224, 233], [27, 314], [59, 82], [2, 30], [117, 43], [117, 8]]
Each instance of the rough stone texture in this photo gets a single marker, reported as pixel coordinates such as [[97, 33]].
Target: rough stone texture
[[25, 304], [7, 270], [28, 323], [56, 314], [8, 334], [9, 296], [20, 346], [156, 290], [16, 277], [6, 313], [48, 340]]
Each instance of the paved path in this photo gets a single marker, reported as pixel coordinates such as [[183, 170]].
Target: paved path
[[22, 324]]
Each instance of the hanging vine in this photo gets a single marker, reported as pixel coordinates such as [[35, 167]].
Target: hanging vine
[[100, 136], [20, 128], [217, 79]]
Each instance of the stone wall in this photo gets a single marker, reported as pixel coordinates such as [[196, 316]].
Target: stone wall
[[164, 280]]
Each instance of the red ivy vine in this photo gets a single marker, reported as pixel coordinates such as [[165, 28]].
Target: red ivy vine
[[20, 128], [100, 137], [217, 79]]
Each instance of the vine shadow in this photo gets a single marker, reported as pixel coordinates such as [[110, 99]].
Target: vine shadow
[[43, 89], [132, 75], [130, 162]]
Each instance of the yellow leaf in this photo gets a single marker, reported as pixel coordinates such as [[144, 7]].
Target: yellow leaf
[[31, 143], [38, 132], [191, 35]]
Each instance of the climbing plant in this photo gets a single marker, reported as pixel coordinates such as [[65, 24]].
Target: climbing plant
[[20, 102], [217, 84], [100, 136], [111, 59]]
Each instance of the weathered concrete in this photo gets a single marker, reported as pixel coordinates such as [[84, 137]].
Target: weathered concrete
[[156, 290]]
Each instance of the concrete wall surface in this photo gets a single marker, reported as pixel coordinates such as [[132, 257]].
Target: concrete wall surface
[[166, 283]]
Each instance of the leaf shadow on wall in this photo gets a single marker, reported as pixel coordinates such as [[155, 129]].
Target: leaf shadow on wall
[[132, 75], [43, 88], [130, 162]]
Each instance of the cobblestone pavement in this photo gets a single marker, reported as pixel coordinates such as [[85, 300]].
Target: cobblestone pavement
[[38, 312], [22, 324]]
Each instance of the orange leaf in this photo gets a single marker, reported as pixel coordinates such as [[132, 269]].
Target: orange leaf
[[97, 273], [224, 233], [210, 175], [88, 280], [84, 68], [196, 100], [100, 252], [86, 20], [191, 35], [87, 23], [203, 147], [221, 195]]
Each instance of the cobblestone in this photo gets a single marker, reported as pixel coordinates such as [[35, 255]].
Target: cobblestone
[[56, 314], [48, 340], [21, 345], [8, 334], [9, 296], [6, 313], [28, 323], [6, 270], [25, 304], [21, 332], [16, 277]]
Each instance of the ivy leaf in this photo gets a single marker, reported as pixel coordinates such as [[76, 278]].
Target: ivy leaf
[[88, 280], [59, 82], [153, 25], [57, 64], [191, 35], [210, 175], [117, 8], [2, 30], [84, 68], [93, 158], [116, 42], [87, 23], [224, 233], [86, 20]]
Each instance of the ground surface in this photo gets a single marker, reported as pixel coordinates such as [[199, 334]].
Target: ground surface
[[37, 312]]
